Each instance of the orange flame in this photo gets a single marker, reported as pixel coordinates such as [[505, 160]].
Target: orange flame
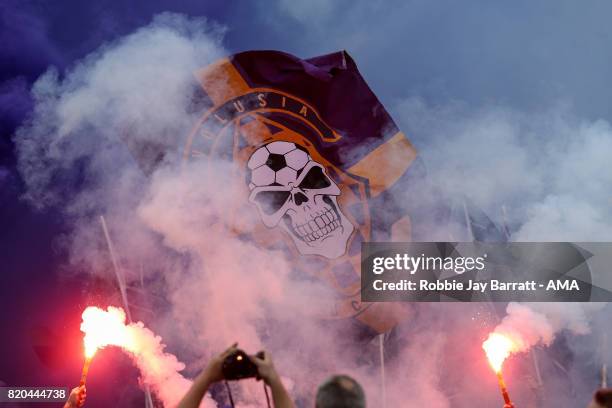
[[105, 328], [498, 347]]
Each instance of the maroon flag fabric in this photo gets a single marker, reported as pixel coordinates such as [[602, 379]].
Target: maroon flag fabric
[[320, 157]]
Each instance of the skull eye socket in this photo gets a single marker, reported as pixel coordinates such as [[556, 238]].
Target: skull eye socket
[[271, 201], [315, 179]]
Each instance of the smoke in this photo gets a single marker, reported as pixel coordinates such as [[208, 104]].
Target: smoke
[[547, 168], [139, 85], [179, 229], [72, 154], [160, 370], [182, 227], [542, 174], [530, 324]]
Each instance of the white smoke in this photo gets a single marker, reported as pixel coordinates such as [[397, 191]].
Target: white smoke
[[160, 370], [547, 168], [138, 85], [531, 324], [548, 171], [172, 227]]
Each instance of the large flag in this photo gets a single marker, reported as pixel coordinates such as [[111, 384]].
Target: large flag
[[320, 157]]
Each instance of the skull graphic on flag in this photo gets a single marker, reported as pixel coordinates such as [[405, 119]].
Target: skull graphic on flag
[[293, 191], [315, 149]]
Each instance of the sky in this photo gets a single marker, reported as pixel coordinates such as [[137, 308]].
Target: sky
[[529, 72]]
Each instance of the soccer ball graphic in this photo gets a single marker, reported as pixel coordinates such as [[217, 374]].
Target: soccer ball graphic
[[294, 192]]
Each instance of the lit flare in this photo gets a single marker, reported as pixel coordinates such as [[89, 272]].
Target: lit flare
[[105, 328], [498, 347]]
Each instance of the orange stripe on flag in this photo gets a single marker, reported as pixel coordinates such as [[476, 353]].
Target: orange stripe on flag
[[384, 165], [221, 81]]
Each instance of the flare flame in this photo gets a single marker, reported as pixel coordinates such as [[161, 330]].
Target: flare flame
[[498, 347], [105, 328]]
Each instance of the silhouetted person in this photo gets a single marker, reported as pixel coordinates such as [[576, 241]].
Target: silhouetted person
[[213, 373], [340, 391], [602, 399]]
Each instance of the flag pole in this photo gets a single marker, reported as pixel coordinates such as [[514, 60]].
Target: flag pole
[[604, 366], [381, 348], [533, 352], [122, 289], [118, 272]]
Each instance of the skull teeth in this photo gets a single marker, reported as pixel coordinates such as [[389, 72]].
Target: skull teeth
[[318, 227]]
